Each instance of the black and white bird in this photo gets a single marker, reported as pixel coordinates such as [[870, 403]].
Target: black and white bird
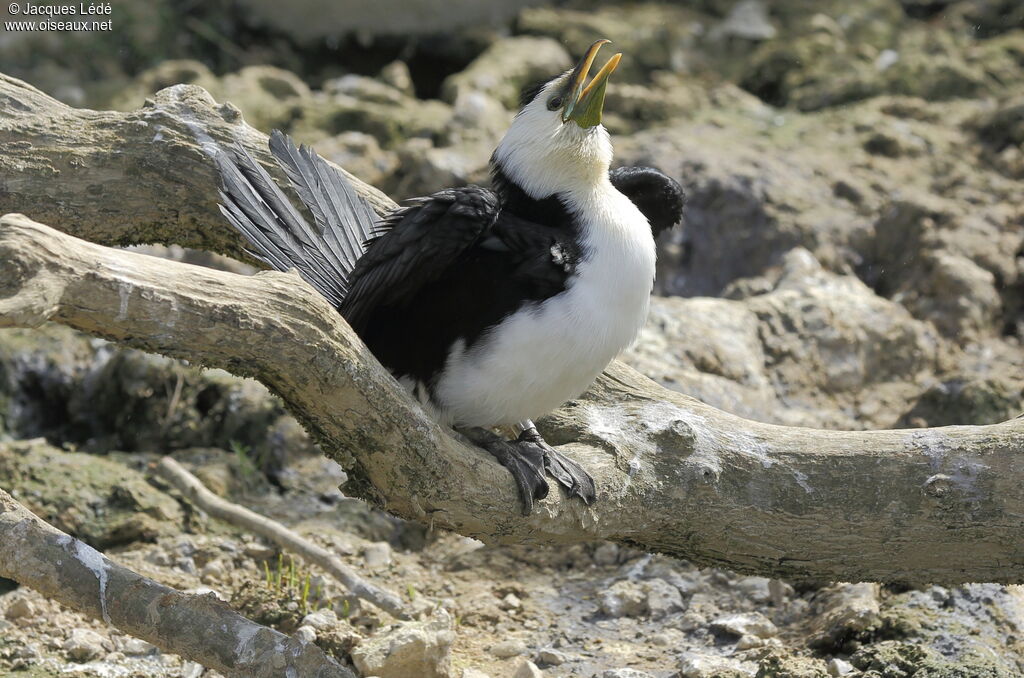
[[492, 306]]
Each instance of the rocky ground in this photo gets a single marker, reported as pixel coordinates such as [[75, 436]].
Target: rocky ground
[[852, 256]]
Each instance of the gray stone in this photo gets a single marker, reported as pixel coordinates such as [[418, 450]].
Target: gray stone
[[85, 645], [748, 623], [377, 555], [21, 608], [321, 620], [700, 665], [552, 657], [839, 667], [512, 647], [136, 647], [421, 648], [528, 669], [625, 673], [305, 634]]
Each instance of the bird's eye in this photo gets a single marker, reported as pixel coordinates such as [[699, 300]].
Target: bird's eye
[[554, 103]]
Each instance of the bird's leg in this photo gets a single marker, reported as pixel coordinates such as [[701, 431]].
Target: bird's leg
[[528, 457], [525, 463], [570, 475]]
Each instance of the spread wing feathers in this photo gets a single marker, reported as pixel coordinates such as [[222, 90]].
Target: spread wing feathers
[[658, 196], [416, 244], [279, 235], [324, 254], [347, 221]]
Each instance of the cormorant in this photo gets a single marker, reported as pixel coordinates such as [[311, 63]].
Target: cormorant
[[492, 306]]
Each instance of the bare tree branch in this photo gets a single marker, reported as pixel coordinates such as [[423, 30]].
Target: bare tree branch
[[200, 628], [191, 487], [126, 178], [674, 475]]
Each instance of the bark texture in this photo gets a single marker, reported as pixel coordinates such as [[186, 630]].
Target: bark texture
[[126, 178], [200, 628], [674, 475]]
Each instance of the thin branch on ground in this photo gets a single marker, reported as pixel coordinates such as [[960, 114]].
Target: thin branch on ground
[[218, 507]]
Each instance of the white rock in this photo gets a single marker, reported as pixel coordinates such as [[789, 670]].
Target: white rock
[[528, 670], [625, 673], [697, 665], [748, 642], [321, 620], [510, 602], [305, 634], [377, 554], [84, 645], [192, 670], [474, 673], [623, 599], [421, 649], [136, 647], [838, 667], [662, 598]]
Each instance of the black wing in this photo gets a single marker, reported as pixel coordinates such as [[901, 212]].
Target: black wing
[[418, 244], [323, 254], [658, 196]]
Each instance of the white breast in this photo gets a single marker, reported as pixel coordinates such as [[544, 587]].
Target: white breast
[[550, 352]]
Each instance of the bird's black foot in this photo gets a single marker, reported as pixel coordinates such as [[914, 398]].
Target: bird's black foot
[[570, 475], [527, 458]]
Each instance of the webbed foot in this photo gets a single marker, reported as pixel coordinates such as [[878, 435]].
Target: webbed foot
[[527, 458], [570, 475]]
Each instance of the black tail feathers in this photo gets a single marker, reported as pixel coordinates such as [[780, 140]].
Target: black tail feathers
[[280, 237]]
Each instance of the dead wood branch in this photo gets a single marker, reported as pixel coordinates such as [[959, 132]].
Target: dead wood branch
[[200, 628], [218, 507], [126, 178], [674, 475]]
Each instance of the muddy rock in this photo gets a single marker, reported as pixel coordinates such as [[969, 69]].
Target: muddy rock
[[409, 649], [967, 401], [85, 644], [776, 664], [655, 598], [96, 499], [843, 611]]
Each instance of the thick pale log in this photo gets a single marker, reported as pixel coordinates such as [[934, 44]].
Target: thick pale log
[[126, 178], [199, 628], [674, 475]]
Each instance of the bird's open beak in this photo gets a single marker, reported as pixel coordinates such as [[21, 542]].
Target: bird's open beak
[[584, 105]]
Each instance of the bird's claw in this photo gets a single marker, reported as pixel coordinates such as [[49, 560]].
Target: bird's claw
[[570, 475]]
